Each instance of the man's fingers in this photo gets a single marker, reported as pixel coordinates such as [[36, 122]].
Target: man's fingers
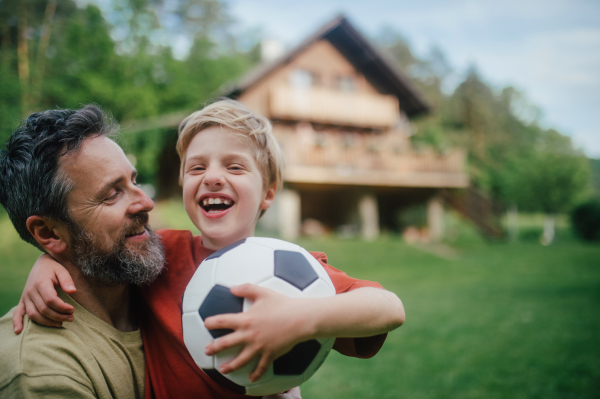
[[49, 313], [51, 299], [18, 317], [65, 281]]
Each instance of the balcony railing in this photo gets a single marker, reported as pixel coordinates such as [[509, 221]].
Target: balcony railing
[[334, 107], [383, 160]]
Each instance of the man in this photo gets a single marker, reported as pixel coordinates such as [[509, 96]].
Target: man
[[70, 191]]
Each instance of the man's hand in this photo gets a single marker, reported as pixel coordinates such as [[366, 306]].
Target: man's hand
[[40, 300], [269, 329]]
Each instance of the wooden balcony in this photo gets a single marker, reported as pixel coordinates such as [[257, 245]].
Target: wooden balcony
[[330, 106], [382, 160]]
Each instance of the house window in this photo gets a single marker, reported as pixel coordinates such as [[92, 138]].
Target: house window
[[346, 83], [302, 79]]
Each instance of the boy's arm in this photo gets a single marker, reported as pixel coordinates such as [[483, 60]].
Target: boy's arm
[[275, 323], [39, 300]]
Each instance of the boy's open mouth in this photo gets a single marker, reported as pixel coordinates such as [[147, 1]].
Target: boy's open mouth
[[216, 204]]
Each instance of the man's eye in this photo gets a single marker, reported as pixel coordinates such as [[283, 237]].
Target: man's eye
[[112, 197]]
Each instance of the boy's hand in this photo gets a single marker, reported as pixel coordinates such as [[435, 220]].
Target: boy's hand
[[40, 300], [269, 329]]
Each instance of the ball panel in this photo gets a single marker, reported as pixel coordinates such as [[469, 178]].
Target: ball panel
[[318, 289], [274, 243], [225, 249], [221, 380], [196, 337], [277, 385], [240, 376], [318, 268], [249, 264], [282, 286], [218, 301], [326, 345], [297, 360], [294, 268], [199, 286]]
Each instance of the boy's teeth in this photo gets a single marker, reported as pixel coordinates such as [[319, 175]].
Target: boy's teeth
[[216, 201]]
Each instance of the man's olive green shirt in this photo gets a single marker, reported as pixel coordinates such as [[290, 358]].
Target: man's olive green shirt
[[87, 358]]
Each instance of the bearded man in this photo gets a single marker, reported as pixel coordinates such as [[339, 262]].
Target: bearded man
[[70, 191]]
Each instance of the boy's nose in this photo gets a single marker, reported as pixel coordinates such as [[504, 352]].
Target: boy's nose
[[213, 178]]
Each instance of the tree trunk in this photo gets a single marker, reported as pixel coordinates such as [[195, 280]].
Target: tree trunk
[[40, 62], [23, 57]]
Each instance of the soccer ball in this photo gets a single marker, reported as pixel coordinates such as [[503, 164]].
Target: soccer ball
[[279, 265]]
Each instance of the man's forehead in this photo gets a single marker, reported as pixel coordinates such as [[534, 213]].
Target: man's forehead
[[98, 159]]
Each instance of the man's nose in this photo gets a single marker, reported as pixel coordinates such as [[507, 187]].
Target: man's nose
[[141, 203]]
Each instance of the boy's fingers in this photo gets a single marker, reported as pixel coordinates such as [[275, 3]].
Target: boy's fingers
[[37, 317], [49, 313], [65, 280], [247, 290], [240, 361], [51, 299], [228, 320], [18, 317], [263, 366], [222, 343]]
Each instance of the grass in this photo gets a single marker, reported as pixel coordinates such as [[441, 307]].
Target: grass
[[498, 320]]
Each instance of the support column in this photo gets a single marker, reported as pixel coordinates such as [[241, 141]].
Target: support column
[[369, 217], [289, 214], [435, 218]]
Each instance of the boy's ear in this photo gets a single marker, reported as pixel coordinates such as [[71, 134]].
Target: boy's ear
[[269, 197], [51, 235]]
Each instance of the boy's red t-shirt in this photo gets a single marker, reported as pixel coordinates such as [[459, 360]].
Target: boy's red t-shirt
[[170, 370]]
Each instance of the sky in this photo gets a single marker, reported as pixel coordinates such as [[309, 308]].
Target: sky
[[548, 49]]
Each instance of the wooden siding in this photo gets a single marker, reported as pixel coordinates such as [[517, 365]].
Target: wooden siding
[[325, 105]]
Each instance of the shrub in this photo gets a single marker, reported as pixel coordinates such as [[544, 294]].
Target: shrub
[[586, 220]]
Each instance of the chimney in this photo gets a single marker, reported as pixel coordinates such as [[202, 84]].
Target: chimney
[[271, 49]]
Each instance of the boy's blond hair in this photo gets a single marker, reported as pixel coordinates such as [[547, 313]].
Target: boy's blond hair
[[234, 116]]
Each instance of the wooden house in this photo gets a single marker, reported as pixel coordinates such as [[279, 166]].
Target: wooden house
[[341, 113]]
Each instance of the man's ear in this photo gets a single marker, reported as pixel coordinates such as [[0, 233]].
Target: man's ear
[[269, 197], [51, 235]]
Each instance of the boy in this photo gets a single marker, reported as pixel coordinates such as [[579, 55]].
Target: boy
[[230, 172]]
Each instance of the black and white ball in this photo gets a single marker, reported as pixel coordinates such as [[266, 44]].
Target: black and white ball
[[279, 265]]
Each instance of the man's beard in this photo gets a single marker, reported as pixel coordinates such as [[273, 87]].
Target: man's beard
[[119, 264]]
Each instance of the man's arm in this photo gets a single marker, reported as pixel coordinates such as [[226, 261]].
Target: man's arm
[[275, 322]]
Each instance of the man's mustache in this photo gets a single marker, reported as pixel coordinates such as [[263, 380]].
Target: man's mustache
[[138, 220]]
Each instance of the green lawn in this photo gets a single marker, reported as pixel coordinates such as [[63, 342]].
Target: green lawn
[[494, 321]]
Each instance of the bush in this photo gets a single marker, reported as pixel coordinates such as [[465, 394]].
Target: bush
[[586, 220]]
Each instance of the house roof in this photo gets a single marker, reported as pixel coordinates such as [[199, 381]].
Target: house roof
[[375, 66]]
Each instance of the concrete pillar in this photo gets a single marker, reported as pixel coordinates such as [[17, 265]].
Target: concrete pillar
[[369, 217], [435, 218], [289, 214]]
